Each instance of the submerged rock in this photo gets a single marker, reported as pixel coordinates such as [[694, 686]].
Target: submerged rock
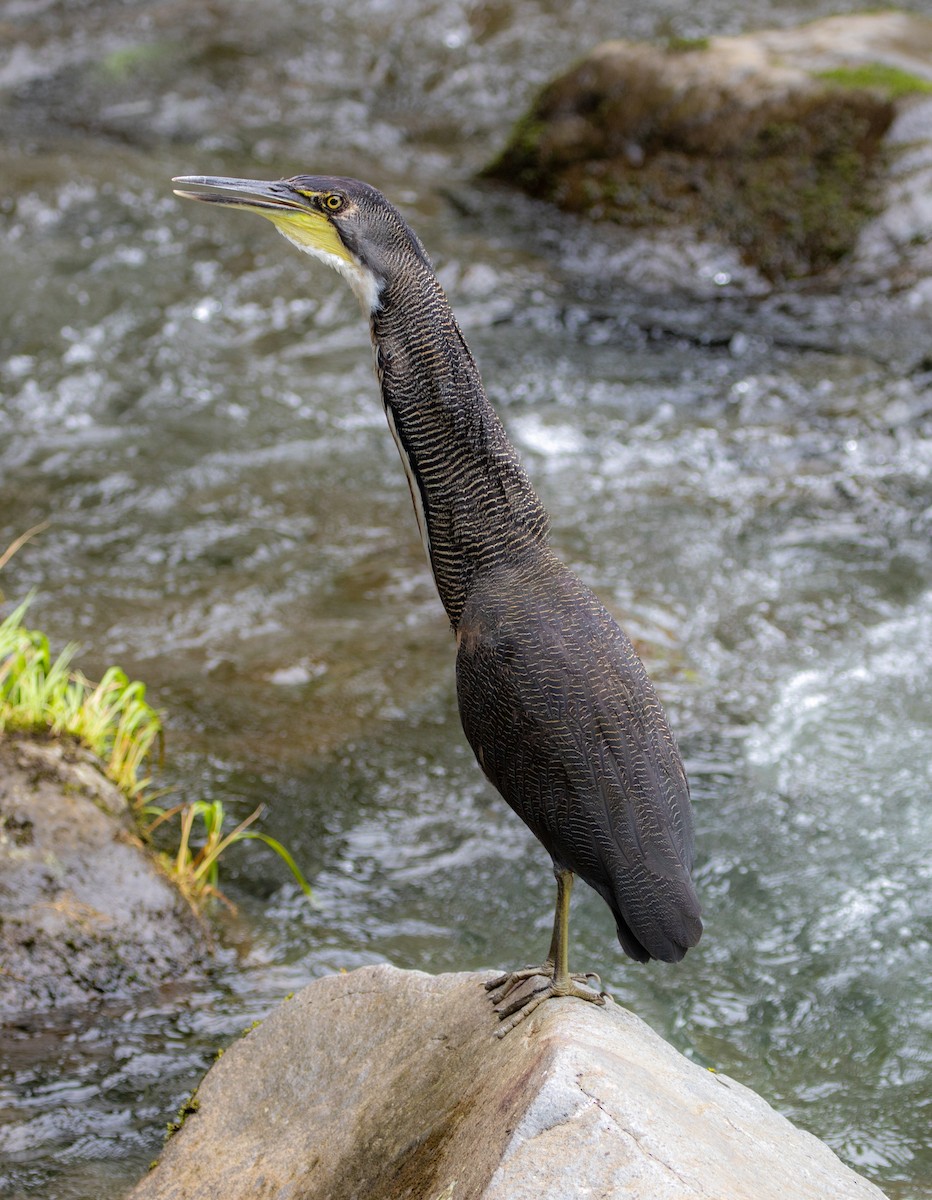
[[84, 910], [390, 1084], [786, 144]]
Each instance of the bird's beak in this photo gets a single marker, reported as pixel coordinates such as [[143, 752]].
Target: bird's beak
[[257, 195], [279, 201]]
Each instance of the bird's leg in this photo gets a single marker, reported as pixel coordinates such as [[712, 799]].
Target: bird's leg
[[503, 985], [561, 983]]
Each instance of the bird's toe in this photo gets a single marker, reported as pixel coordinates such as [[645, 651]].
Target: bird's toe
[[503, 984], [524, 992]]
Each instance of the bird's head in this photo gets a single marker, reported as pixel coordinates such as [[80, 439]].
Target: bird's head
[[344, 222]]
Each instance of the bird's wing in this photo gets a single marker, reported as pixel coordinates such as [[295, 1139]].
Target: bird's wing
[[568, 727]]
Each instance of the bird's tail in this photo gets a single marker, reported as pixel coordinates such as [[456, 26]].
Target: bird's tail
[[663, 931]]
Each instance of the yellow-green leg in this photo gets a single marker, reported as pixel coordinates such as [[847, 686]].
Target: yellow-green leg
[[512, 1012]]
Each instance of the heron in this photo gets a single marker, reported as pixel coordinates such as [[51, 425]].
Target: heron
[[553, 698]]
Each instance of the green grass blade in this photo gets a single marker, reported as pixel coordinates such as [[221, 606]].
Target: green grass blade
[[285, 856]]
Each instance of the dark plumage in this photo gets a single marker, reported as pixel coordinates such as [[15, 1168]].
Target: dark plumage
[[554, 700], [565, 723]]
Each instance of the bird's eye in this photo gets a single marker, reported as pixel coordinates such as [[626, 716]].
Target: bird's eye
[[334, 202]]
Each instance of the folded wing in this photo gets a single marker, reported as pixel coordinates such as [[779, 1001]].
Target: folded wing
[[566, 724]]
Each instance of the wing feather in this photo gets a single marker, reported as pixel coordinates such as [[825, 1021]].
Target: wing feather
[[566, 724]]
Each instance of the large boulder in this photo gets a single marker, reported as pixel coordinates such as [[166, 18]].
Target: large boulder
[[799, 147], [85, 910], [390, 1085]]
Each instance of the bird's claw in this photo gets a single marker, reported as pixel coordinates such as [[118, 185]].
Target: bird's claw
[[532, 994], [505, 983], [519, 994], [516, 994]]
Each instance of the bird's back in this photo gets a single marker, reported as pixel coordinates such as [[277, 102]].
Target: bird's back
[[566, 724]]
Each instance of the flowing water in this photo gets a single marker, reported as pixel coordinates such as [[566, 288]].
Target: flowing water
[[745, 480]]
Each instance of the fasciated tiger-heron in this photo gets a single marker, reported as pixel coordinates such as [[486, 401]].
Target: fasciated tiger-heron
[[554, 700]]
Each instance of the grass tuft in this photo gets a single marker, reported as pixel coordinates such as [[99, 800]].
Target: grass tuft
[[39, 694], [196, 868]]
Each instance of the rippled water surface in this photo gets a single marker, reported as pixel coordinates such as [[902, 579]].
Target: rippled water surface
[[745, 481]]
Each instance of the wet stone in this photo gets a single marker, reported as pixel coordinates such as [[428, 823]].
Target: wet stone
[[391, 1084], [786, 145], [85, 911]]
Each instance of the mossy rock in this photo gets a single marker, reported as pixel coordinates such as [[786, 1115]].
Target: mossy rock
[[772, 141]]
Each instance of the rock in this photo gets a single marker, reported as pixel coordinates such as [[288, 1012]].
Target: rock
[[85, 911], [786, 144], [385, 1084]]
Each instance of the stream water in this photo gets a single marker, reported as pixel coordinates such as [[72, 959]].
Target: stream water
[[745, 480]]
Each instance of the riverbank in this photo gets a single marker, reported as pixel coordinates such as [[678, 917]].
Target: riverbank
[[85, 911]]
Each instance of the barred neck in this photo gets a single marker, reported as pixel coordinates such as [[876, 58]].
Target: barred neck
[[475, 505]]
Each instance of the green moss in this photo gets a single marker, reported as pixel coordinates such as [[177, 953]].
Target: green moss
[[878, 77], [190, 1106], [807, 184], [519, 162], [685, 45], [789, 182]]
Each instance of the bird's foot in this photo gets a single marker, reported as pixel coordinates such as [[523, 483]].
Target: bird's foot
[[518, 993], [502, 985]]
